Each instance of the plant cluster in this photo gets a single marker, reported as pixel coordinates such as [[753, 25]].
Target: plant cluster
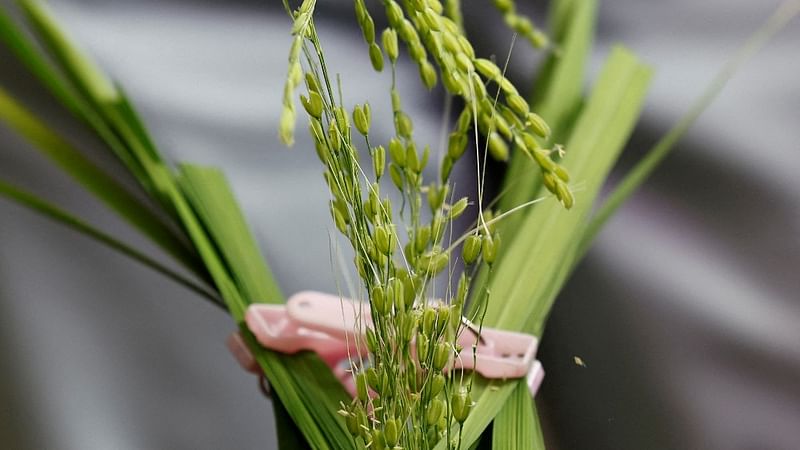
[[407, 397]]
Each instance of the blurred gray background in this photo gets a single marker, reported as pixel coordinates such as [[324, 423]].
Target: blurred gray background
[[686, 313]]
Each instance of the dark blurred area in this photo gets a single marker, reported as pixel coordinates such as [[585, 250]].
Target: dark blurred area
[[686, 313]]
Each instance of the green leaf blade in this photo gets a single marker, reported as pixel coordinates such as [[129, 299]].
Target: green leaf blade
[[307, 388], [600, 133], [89, 79], [209, 193], [516, 425], [94, 179], [41, 206], [521, 285]]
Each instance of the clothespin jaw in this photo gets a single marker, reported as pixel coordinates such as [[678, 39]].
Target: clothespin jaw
[[309, 321], [495, 353], [334, 328], [535, 377]]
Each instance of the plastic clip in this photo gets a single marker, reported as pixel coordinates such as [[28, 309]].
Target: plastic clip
[[334, 329]]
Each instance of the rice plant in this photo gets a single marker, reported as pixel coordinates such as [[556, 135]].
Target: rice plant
[[516, 257]]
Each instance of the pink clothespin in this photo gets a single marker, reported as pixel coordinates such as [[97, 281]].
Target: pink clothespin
[[334, 327]]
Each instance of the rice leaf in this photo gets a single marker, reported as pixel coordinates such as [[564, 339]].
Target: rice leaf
[[520, 285], [92, 96], [31, 57], [94, 179], [558, 96], [52, 79], [286, 374], [303, 382], [209, 194], [305, 385], [89, 79], [601, 131], [129, 115], [636, 177], [289, 436], [41, 206], [516, 426], [606, 130], [94, 86]]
